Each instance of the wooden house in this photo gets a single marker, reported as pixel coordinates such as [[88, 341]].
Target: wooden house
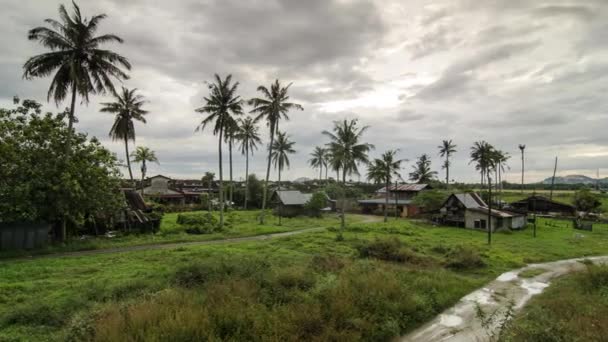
[[468, 210], [543, 205], [400, 195], [289, 203]]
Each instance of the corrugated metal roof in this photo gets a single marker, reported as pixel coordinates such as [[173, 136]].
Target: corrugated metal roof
[[293, 197], [383, 201], [471, 200], [496, 213], [404, 187]]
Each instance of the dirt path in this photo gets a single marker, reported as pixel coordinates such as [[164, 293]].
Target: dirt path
[[460, 322], [360, 219]]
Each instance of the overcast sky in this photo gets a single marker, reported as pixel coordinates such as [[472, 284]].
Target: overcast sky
[[506, 71]]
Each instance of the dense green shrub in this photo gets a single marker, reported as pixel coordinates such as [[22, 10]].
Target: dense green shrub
[[317, 202], [199, 223], [389, 250], [463, 258]]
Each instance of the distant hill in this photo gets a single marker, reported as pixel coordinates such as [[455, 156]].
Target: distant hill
[[575, 179]]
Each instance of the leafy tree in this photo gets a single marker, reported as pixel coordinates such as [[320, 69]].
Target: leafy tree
[[58, 191], [81, 66], [208, 179], [318, 159], [281, 149], [347, 151], [142, 155], [587, 201], [317, 202], [422, 170], [127, 107], [249, 137], [445, 150], [271, 107], [221, 104], [430, 200], [382, 170]]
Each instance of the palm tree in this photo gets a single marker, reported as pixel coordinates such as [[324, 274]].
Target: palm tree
[[231, 130], [271, 107], [318, 159], [382, 170], [484, 155], [522, 149], [220, 105], [347, 151], [445, 150], [249, 137], [422, 170], [281, 149], [500, 165], [127, 107], [143, 155], [81, 67]]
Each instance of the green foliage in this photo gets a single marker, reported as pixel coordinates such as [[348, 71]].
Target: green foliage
[[463, 258], [199, 223], [430, 200], [86, 185], [390, 250], [585, 200], [337, 190], [573, 308], [317, 202]]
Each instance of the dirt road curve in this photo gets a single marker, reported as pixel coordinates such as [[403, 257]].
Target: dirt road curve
[[460, 323]]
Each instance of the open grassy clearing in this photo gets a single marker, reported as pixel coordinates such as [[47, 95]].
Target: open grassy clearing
[[239, 224], [381, 281], [574, 308]]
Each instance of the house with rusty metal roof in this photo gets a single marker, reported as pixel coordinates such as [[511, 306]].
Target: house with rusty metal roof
[[399, 195], [469, 210]]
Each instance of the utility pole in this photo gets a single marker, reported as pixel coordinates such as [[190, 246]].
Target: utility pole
[[489, 210], [553, 179]]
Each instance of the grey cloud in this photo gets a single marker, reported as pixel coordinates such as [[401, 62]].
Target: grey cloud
[[579, 12]]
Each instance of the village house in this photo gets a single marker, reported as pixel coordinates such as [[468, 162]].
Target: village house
[[400, 195], [291, 203], [468, 210], [167, 190], [543, 205]]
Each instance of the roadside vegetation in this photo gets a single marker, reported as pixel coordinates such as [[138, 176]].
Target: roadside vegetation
[[382, 280], [574, 308]]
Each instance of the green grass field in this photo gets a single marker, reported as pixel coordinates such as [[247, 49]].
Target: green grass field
[[574, 308], [243, 223], [381, 281]]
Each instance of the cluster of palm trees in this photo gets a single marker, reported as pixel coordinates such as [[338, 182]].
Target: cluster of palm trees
[[83, 68], [223, 108], [489, 160]]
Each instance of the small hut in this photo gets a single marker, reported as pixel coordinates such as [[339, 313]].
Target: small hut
[[543, 205]]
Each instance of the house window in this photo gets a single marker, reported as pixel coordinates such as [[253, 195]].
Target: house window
[[499, 222], [482, 224], [477, 224]]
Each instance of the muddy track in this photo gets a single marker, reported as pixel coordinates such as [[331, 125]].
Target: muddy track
[[460, 322]]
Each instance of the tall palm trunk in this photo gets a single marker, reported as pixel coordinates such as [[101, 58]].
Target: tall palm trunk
[[128, 160], [265, 194], [321, 173], [386, 201], [281, 204], [219, 150], [231, 189], [522, 171], [63, 232], [447, 171], [326, 172], [246, 175], [143, 176], [343, 214]]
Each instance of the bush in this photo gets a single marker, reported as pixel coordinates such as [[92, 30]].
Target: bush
[[463, 258], [317, 202], [389, 250], [198, 223], [585, 200]]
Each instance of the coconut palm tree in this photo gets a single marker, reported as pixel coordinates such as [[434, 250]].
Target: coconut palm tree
[[221, 105], [522, 148], [347, 151], [231, 130], [80, 65], [127, 108], [318, 159], [249, 137], [445, 150], [383, 170], [482, 154], [142, 155], [500, 165], [282, 147], [272, 107], [422, 170]]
